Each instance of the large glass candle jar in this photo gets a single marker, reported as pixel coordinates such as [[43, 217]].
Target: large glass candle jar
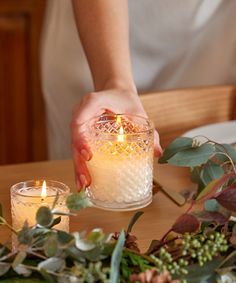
[[121, 166]]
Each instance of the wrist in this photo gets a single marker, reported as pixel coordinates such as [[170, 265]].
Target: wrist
[[119, 84]]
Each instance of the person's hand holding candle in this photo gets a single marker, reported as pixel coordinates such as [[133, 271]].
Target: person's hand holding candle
[[95, 104], [104, 33]]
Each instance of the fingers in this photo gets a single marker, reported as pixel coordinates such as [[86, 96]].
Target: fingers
[[157, 147], [79, 141], [81, 154], [82, 175]]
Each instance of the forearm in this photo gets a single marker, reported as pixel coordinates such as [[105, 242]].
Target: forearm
[[103, 29]]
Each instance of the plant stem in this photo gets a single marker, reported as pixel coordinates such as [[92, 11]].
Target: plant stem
[[36, 254], [4, 222], [8, 256], [35, 268], [165, 235], [223, 153], [230, 160], [233, 254]]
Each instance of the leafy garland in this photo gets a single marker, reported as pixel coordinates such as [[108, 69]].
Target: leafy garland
[[199, 247]]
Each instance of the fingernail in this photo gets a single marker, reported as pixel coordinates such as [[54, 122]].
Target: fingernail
[[158, 152], [78, 185], [85, 154], [83, 181]]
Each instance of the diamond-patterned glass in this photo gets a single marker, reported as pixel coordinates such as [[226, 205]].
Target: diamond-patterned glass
[[122, 161]]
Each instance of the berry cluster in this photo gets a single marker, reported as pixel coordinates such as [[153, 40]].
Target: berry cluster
[[193, 248], [165, 261], [204, 248]]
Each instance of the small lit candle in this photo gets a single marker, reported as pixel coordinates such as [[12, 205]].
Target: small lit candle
[[122, 163], [27, 197]]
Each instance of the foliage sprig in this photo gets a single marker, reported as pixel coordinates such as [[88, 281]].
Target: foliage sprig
[[199, 247]]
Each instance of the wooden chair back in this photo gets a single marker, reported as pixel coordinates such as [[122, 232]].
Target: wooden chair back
[[176, 111]]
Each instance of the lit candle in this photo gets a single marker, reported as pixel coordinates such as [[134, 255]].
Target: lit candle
[[121, 137], [121, 167], [27, 197]]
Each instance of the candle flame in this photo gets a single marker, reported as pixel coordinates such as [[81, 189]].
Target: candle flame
[[44, 190], [121, 137]]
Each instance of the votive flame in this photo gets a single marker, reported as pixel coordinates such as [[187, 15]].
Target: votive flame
[[121, 137], [44, 190]]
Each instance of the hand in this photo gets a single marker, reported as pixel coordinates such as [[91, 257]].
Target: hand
[[96, 104]]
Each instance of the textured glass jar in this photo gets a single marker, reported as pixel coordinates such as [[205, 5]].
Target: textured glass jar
[[26, 199], [121, 166]]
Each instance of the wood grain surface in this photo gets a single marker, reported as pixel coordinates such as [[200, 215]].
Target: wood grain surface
[[157, 217]]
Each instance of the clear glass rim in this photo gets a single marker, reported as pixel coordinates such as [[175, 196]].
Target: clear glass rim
[[149, 123], [63, 189]]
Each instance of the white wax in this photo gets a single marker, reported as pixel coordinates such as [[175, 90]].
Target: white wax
[[26, 202], [120, 178]]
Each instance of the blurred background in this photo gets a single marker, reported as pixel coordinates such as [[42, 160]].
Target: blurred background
[[23, 130], [22, 114]]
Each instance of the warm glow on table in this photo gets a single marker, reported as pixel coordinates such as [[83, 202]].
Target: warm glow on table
[[156, 220]]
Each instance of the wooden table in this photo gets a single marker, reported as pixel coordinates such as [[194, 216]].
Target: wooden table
[[156, 220]]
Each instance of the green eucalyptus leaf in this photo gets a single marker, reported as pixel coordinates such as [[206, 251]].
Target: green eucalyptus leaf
[[75, 254], [44, 216], [4, 250], [82, 243], [22, 270], [211, 205], [201, 186], [94, 254], [55, 221], [211, 171], [116, 258], [202, 274], [207, 189], [48, 277], [134, 220], [177, 145], [225, 148], [25, 235], [20, 257], [193, 156], [96, 236], [64, 237], [4, 267], [51, 246], [77, 201], [53, 264], [108, 248]]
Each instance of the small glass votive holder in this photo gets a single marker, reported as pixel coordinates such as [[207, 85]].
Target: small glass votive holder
[[121, 166], [27, 197]]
